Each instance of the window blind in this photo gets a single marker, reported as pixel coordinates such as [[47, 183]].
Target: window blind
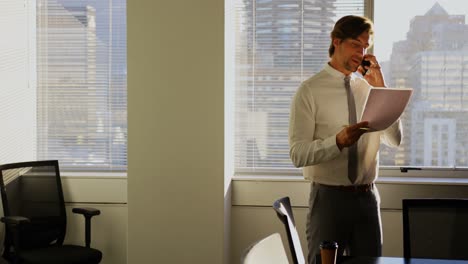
[[17, 101], [278, 44], [81, 84]]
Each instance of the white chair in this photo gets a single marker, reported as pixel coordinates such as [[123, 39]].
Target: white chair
[[269, 250], [284, 211]]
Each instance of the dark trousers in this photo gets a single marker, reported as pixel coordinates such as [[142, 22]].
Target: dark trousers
[[351, 218]]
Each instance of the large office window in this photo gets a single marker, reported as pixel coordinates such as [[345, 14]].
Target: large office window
[[280, 43], [74, 90], [426, 49], [17, 104]]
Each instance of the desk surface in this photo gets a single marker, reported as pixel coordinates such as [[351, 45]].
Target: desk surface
[[388, 260]]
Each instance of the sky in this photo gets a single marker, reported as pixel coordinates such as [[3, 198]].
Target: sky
[[392, 17]]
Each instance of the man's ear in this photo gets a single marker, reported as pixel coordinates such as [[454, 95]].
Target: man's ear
[[337, 42]]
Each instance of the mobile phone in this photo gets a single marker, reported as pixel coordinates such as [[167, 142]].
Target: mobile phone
[[364, 63]]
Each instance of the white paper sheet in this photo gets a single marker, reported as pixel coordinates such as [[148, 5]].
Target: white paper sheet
[[384, 106]]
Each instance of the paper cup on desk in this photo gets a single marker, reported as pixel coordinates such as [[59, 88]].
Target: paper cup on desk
[[328, 252]]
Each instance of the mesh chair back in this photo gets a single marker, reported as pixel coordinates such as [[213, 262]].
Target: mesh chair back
[[33, 190], [284, 211], [435, 228]]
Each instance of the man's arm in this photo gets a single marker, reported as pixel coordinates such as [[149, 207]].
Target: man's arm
[[393, 135], [374, 75], [304, 149]]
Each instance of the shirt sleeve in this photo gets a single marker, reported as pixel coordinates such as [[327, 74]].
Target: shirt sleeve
[[393, 135], [305, 150]]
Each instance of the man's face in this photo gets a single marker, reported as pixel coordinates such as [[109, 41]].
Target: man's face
[[350, 52]]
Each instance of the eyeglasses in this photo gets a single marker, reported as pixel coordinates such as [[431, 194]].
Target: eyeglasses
[[356, 44]]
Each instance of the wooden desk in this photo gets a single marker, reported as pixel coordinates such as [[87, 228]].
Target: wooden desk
[[388, 260]]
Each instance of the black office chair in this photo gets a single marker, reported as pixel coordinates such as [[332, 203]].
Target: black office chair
[[284, 211], [435, 228], [35, 216]]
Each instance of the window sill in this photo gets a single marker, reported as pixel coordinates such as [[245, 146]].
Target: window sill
[[94, 175], [380, 180], [387, 175], [423, 180], [262, 190]]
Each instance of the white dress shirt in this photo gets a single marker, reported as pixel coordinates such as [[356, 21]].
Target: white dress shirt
[[319, 111]]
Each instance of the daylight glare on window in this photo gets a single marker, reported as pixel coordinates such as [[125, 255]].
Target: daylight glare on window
[[278, 44], [425, 47], [420, 44], [82, 83], [63, 77]]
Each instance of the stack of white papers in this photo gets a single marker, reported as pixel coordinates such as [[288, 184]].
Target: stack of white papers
[[384, 106]]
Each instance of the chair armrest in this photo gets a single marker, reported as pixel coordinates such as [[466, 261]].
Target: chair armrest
[[14, 225], [87, 213], [15, 220]]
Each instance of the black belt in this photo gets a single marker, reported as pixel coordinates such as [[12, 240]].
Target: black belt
[[349, 188]]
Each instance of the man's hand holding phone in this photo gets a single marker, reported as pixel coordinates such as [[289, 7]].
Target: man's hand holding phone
[[365, 64], [370, 70]]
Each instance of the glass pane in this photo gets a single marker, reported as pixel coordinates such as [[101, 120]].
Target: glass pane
[[82, 83], [425, 47], [279, 43]]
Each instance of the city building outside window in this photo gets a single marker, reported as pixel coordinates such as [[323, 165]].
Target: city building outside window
[[279, 44], [427, 50], [67, 88]]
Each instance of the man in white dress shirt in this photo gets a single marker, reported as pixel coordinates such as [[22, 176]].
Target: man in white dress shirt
[[335, 151]]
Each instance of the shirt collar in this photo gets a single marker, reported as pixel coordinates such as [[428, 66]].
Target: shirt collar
[[335, 73]]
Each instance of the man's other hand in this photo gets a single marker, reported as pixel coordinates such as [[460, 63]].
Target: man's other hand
[[350, 134]]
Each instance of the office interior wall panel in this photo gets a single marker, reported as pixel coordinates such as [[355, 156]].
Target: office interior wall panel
[[175, 131], [253, 218], [392, 229], [95, 189], [108, 231]]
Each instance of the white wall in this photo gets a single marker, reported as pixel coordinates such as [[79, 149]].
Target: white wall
[[109, 229], [175, 129]]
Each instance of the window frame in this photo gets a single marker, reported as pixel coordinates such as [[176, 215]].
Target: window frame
[[95, 169], [391, 173]]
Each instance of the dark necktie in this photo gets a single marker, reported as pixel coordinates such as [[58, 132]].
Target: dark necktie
[[352, 150]]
